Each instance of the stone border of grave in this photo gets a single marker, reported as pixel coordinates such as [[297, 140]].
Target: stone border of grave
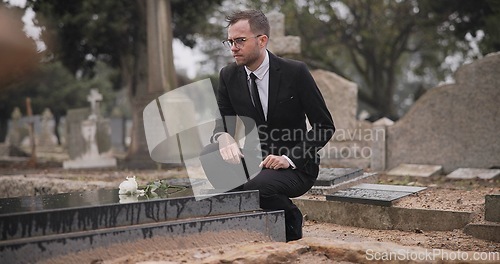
[[382, 217]]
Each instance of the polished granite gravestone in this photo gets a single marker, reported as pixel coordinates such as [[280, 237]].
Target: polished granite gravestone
[[333, 176], [375, 194], [42, 227]]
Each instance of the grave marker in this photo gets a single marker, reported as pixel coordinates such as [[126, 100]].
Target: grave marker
[[468, 174], [492, 208], [416, 170], [94, 151], [47, 137], [375, 194], [280, 44], [45, 227]]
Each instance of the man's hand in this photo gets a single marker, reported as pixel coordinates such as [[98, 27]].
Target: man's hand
[[229, 149], [275, 162]]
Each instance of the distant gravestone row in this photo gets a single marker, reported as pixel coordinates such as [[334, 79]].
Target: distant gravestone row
[[87, 137]]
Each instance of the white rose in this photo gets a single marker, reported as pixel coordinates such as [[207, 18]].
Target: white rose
[[128, 186]]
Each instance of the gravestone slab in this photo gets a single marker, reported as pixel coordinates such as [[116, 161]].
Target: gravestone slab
[[492, 208], [332, 176], [469, 173], [52, 225], [416, 170], [375, 194], [75, 212]]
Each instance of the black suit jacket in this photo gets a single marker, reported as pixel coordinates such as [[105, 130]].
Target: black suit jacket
[[293, 95]]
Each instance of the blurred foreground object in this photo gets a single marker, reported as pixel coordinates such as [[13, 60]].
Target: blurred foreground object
[[18, 54]]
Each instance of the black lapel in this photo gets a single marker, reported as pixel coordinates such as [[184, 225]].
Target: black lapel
[[243, 84], [274, 84]]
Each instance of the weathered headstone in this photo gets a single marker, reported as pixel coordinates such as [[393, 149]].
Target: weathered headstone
[[416, 170], [454, 125], [379, 144], [47, 138], [351, 144], [117, 123], [280, 44], [16, 130], [96, 134], [376, 194], [492, 208], [75, 142], [469, 173]]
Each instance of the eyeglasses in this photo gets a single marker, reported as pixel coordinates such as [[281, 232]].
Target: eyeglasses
[[237, 42]]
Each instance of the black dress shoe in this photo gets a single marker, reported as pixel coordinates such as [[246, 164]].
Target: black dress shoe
[[293, 224]]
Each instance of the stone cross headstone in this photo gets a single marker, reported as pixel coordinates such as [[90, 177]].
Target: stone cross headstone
[[94, 98], [91, 130], [280, 44]]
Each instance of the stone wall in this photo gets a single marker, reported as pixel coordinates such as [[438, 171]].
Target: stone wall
[[454, 125]]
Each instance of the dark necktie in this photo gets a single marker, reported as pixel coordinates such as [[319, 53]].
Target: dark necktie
[[255, 96]]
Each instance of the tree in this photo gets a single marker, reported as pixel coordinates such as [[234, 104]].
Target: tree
[[377, 43]]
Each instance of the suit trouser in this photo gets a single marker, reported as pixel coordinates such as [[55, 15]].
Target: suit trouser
[[275, 187]]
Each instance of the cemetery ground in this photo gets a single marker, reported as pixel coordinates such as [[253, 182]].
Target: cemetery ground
[[322, 242]]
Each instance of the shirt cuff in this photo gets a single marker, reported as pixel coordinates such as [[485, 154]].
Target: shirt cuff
[[216, 136], [290, 161]]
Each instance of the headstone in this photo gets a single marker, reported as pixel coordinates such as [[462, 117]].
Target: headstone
[[416, 170], [375, 194], [468, 174], [96, 133], [46, 137], [17, 130], [492, 208], [75, 142], [280, 44], [379, 146], [117, 122], [351, 144], [341, 98], [454, 125]]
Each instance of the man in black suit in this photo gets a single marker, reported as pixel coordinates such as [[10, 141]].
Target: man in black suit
[[277, 94]]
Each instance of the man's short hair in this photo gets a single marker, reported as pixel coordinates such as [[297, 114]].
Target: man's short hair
[[257, 20]]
